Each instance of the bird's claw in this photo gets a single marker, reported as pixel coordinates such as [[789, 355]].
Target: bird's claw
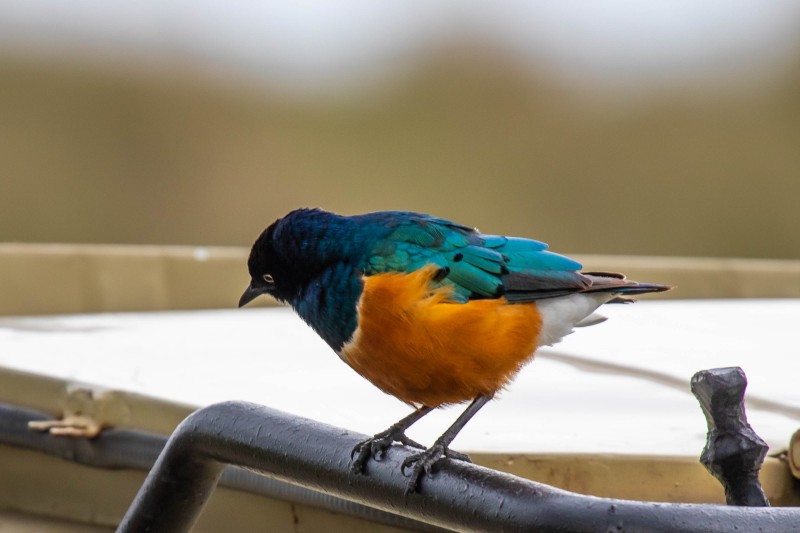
[[376, 446], [458, 456], [424, 462]]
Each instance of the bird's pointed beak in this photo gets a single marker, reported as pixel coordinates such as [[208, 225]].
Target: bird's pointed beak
[[249, 294]]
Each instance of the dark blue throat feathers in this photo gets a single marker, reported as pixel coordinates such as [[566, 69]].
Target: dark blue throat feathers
[[315, 261]]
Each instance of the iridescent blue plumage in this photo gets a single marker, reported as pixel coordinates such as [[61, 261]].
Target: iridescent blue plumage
[[477, 265], [318, 260]]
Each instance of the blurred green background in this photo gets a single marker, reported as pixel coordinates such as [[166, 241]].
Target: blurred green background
[[166, 147]]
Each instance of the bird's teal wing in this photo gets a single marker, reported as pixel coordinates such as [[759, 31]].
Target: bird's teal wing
[[476, 265]]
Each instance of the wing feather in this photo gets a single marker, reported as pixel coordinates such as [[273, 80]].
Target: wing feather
[[477, 265], [485, 266]]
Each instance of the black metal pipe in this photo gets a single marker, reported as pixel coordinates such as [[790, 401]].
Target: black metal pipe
[[139, 450], [460, 496]]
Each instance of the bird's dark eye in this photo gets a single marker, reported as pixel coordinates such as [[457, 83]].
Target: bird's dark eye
[[268, 279]]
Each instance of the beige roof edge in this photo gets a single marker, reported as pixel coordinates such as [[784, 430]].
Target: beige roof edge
[[120, 249], [38, 279]]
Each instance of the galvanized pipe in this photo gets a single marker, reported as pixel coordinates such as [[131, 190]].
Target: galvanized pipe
[[460, 496]]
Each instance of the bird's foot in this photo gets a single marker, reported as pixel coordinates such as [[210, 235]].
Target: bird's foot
[[424, 461], [376, 446]]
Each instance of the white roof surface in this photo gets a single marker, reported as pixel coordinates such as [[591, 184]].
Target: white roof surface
[[618, 387]]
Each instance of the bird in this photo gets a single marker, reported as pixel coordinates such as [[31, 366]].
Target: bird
[[429, 311]]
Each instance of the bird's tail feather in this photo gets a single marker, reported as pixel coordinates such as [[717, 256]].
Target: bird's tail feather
[[618, 284]]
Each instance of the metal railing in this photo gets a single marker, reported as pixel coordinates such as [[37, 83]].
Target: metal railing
[[460, 496]]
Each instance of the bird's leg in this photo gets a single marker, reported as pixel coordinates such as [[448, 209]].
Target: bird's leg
[[377, 445], [424, 461]]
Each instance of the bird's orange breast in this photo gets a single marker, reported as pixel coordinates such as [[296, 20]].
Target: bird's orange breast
[[415, 343]]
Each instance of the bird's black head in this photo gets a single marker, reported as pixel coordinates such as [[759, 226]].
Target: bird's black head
[[269, 273]]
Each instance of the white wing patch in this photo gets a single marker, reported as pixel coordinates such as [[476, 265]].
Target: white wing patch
[[561, 315]]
